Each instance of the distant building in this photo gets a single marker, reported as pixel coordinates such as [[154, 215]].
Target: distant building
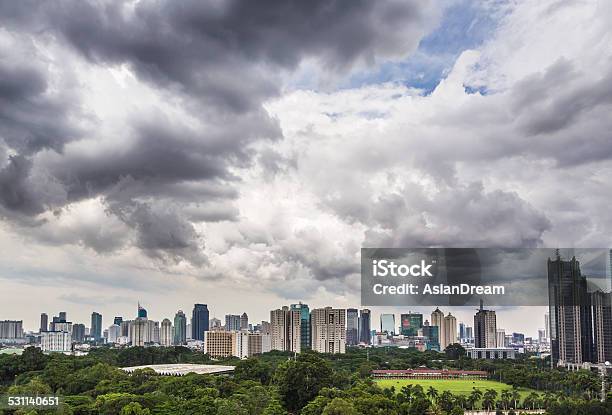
[[305, 329], [244, 321], [491, 353], [485, 328], [56, 341], [180, 328], [328, 330], [432, 335], [118, 320], [199, 321], [500, 338], [411, 323], [352, 327], [450, 331], [286, 330], [165, 333], [96, 326], [428, 373], [365, 328], [114, 333], [602, 326], [219, 343], [44, 322], [139, 332], [78, 333], [570, 314], [250, 344], [11, 331], [387, 324], [232, 322], [142, 312], [214, 323]]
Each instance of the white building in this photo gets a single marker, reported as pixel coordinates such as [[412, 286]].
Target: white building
[[114, 332], [328, 330], [55, 341], [165, 333], [491, 353]]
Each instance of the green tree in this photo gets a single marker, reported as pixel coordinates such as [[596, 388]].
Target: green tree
[[300, 380], [488, 399], [339, 406], [134, 408], [274, 408]]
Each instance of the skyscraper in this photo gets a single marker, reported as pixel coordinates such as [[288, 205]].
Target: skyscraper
[[602, 326], [44, 322], [411, 323], [387, 324], [365, 328], [244, 321], [199, 321], [96, 326], [118, 320], [62, 317], [462, 331], [305, 329], [437, 320], [571, 338], [142, 312], [165, 333], [328, 330], [432, 334], [352, 327], [286, 330], [485, 328], [180, 328], [78, 333], [547, 325], [450, 331], [232, 322]]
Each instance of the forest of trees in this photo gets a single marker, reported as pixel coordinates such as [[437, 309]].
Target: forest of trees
[[277, 383]]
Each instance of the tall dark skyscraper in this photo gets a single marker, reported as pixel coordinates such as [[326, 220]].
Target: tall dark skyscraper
[[485, 328], [199, 321], [62, 316], [602, 326], [78, 333], [305, 327], [570, 314], [365, 326], [96, 326], [118, 320], [44, 322], [352, 327]]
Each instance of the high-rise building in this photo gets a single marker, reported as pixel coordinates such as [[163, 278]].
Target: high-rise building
[[485, 328], [165, 333], [352, 327], [142, 312], [214, 324], [432, 335], [469, 333], [450, 331], [602, 326], [62, 317], [78, 333], [365, 328], [248, 344], [500, 339], [139, 332], [220, 343], [328, 330], [547, 325], [437, 320], [180, 328], [265, 328], [232, 322], [244, 321], [571, 339], [56, 341], [286, 329], [387, 324], [152, 332], [114, 332], [11, 329], [118, 320], [96, 326], [199, 321], [541, 336], [411, 323], [44, 322], [305, 329], [461, 331]]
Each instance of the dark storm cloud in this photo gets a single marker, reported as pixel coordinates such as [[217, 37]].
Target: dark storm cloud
[[15, 192], [31, 117], [225, 52]]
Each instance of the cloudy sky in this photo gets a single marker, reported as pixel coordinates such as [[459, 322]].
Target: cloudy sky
[[240, 153]]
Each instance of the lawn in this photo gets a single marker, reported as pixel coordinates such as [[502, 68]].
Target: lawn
[[456, 386]]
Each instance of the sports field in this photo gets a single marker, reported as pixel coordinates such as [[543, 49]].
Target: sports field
[[456, 386]]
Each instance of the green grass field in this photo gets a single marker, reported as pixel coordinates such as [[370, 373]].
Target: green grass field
[[456, 386]]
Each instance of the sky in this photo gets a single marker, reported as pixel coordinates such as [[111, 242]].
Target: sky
[[240, 153]]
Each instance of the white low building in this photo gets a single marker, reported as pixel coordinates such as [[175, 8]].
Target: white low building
[[56, 341], [491, 353]]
